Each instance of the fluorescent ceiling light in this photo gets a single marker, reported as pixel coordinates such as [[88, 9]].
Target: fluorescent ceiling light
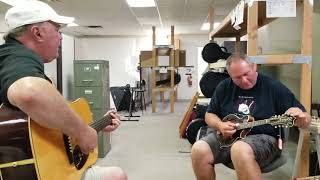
[[141, 3], [206, 26]]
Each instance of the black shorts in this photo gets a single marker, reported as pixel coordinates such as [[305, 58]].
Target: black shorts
[[264, 147]]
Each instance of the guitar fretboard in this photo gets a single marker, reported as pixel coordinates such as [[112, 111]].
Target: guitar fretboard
[[98, 125]]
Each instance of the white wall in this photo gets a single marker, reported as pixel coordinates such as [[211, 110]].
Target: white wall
[[283, 36], [67, 66], [190, 43], [122, 54]]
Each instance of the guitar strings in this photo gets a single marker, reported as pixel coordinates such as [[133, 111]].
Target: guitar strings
[[101, 123]]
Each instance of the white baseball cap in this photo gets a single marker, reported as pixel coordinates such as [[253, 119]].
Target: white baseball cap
[[30, 12]]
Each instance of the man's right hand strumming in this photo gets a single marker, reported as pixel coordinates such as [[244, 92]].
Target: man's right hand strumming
[[87, 139]]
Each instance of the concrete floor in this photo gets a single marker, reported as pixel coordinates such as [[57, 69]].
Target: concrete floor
[[150, 149]]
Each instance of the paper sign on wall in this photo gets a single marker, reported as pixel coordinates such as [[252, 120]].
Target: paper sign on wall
[[249, 2], [239, 13], [281, 8], [188, 71]]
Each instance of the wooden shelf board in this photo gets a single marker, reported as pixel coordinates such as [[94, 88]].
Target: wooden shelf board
[[164, 88], [169, 68], [226, 29], [281, 59]]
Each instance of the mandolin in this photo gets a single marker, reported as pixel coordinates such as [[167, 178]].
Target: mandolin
[[244, 123]]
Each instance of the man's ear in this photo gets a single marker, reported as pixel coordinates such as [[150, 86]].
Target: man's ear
[[36, 33]]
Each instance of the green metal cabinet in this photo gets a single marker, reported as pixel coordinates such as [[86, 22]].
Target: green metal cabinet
[[91, 79]]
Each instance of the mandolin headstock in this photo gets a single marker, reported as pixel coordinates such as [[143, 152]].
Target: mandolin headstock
[[282, 121]]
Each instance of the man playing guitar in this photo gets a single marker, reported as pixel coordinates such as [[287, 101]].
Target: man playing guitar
[[33, 39]]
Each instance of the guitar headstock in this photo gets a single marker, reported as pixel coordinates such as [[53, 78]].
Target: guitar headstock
[[282, 120]]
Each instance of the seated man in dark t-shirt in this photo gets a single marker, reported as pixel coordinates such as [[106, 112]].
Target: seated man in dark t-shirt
[[245, 93]]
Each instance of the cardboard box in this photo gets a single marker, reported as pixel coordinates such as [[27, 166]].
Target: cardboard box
[[179, 58], [146, 59]]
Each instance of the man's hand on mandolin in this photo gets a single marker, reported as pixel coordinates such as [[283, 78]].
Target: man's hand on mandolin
[[302, 118], [227, 129]]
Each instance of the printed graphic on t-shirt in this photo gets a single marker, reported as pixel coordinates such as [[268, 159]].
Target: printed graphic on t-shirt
[[245, 104]]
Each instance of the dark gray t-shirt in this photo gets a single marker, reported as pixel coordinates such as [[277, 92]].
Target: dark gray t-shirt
[[17, 61]]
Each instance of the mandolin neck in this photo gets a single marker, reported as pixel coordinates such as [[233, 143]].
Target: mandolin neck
[[253, 124]]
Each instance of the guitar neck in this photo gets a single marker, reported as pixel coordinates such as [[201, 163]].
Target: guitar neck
[[98, 125], [253, 124]]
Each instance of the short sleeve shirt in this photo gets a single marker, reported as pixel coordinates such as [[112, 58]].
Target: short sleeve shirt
[[17, 61], [267, 98]]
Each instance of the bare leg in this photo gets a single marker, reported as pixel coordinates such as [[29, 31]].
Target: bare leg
[[113, 173], [244, 161], [104, 173], [202, 160]]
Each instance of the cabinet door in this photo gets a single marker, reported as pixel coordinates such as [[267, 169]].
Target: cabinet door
[[88, 74], [93, 95], [98, 113], [104, 144]]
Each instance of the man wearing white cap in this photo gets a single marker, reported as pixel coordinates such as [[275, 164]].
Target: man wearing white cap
[[33, 39]]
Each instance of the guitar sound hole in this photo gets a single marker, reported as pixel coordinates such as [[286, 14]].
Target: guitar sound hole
[[79, 158]]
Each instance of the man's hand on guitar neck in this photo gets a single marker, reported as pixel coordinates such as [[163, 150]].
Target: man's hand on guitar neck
[[227, 129], [302, 118], [115, 121]]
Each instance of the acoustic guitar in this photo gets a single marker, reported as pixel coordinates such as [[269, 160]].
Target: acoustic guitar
[[245, 123], [54, 155]]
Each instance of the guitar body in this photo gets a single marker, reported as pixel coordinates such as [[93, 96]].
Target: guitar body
[[239, 134], [49, 152]]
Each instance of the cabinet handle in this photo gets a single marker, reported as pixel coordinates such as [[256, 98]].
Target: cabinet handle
[[87, 80]]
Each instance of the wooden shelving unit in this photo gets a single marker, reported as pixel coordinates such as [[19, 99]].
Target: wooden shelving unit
[[225, 29], [172, 89], [254, 18]]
